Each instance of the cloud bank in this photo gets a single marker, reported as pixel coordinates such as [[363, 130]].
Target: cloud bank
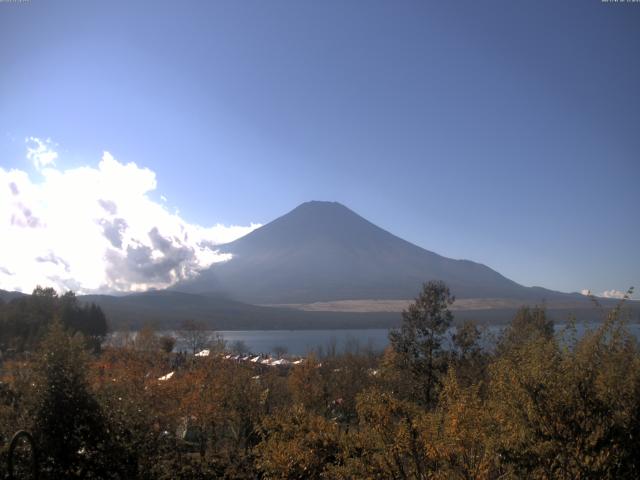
[[95, 229], [606, 294], [613, 294]]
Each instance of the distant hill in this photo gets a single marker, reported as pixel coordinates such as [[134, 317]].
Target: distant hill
[[166, 309], [323, 251], [7, 296]]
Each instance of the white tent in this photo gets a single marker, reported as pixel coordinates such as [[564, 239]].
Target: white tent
[[203, 353], [282, 361]]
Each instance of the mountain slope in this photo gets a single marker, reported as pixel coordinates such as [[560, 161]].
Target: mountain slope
[[7, 296], [167, 309], [322, 251]]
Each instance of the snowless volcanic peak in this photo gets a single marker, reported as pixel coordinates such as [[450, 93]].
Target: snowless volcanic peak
[[323, 251]]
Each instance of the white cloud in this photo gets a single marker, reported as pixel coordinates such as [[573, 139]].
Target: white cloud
[[613, 294], [606, 294], [41, 152], [97, 229]]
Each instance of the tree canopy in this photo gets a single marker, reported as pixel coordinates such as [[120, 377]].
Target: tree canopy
[[24, 320]]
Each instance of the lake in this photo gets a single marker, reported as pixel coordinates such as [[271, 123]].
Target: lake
[[301, 342]]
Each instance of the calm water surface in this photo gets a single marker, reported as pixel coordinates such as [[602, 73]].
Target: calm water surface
[[301, 342]]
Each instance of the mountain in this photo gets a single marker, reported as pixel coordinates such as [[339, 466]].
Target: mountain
[[7, 296], [323, 251], [323, 266]]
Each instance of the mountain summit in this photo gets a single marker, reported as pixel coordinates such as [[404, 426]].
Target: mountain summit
[[323, 251]]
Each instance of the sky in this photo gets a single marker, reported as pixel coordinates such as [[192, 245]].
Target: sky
[[136, 136]]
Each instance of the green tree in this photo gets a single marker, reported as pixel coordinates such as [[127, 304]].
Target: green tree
[[90, 320], [418, 342], [527, 324], [68, 422], [466, 339], [24, 320], [468, 359]]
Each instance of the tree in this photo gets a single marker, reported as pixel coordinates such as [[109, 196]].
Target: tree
[[88, 319], [460, 430], [280, 350], [43, 301], [194, 335], [418, 342], [147, 340], [569, 412], [239, 347], [307, 386], [468, 359], [297, 444], [389, 441], [24, 320], [465, 339], [527, 325], [69, 426], [167, 342]]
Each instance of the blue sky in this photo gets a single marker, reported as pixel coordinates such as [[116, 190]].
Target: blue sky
[[503, 132]]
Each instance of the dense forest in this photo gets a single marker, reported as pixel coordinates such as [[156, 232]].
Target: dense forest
[[540, 403], [25, 319]]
